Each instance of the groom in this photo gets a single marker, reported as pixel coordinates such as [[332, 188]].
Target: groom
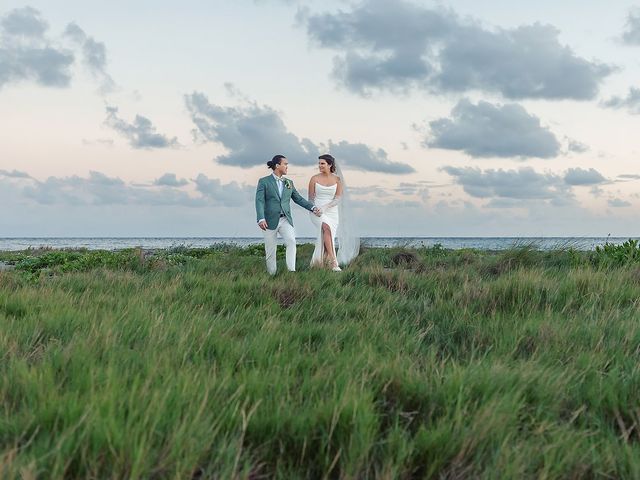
[[273, 195]]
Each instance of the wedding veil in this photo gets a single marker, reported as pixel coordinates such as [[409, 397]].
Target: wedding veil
[[348, 239]]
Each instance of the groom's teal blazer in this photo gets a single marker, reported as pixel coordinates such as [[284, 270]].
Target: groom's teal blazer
[[269, 204]]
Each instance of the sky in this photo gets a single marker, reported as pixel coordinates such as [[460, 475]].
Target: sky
[[448, 118]]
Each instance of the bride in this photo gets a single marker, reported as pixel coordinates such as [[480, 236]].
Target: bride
[[327, 191]]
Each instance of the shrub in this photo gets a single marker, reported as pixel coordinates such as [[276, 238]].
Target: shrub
[[611, 254]]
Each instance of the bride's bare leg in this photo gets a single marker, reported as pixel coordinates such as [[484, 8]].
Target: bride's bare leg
[[328, 245]]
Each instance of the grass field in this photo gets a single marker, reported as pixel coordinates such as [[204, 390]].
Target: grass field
[[426, 363]]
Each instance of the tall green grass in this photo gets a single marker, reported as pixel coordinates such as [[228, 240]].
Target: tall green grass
[[425, 363]]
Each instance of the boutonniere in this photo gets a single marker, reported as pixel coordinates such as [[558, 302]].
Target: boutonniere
[[288, 183]]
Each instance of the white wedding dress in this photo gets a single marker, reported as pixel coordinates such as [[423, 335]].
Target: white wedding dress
[[330, 215]]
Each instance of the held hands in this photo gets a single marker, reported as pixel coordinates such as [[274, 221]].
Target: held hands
[[262, 224], [317, 212]]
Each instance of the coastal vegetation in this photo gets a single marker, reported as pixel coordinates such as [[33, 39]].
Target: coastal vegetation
[[411, 363]]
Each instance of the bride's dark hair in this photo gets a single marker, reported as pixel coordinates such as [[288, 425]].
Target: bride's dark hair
[[330, 160]]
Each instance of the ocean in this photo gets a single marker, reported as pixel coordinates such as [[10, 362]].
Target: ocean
[[485, 243]]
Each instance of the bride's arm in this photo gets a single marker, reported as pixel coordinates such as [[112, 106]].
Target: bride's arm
[[312, 190], [337, 197]]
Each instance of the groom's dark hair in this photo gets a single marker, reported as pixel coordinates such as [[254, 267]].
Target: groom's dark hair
[[275, 161]]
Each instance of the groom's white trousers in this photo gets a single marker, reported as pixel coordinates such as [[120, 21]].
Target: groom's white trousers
[[288, 234]]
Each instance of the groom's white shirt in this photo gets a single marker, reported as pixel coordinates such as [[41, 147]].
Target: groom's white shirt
[[280, 183]]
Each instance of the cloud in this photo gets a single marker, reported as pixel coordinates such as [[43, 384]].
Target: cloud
[[522, 184], [252, 134], [99, 189], [141, 134], [574, 146], [505, 203], [370, 190], [104, 206], [14, 174], [359, 156], [398, 45], [413, 189], [408, 188], [579, 176], [230, 194], [76, 190], [170, 180], [105, 142], [487, 130], [24, 22], [25, 53], [376, 195], [507, 188], [94, 56], [617, 203], [286, 2], [629, 176], [29, 54], [631, 102], [631, 35]]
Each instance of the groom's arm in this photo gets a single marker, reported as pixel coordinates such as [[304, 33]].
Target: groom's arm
[[299, 199], [260, 200]]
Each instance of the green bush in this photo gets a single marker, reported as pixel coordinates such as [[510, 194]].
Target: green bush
[[611, 254]]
